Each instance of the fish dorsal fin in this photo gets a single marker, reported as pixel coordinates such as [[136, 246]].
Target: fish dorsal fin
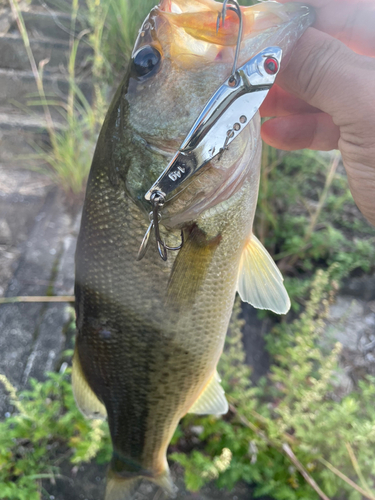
[[212, 401], [260, 282], [85, 398]]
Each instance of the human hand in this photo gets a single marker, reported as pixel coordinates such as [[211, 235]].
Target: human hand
[[325, 97]]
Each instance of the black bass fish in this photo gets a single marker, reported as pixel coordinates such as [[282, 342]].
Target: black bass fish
[[150, 333]]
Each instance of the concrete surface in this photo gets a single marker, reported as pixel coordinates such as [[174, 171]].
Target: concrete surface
[[33, 333]]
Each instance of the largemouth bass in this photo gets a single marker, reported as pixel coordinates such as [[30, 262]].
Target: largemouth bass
[[150, 333]]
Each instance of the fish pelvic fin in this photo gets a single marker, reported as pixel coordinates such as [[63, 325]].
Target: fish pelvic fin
[[122, 488], [260, 282], [85, 398], [190, 267]]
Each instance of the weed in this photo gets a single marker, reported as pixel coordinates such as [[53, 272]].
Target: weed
[[69, 154], [307, 218], [45, 423], [290, 436]]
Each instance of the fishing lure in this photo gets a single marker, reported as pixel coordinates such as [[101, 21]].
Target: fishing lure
[[224, 117]]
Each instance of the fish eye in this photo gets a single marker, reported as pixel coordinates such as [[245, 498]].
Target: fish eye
[[146, 60]]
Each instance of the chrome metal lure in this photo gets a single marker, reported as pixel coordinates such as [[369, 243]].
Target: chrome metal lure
[[236, 102]]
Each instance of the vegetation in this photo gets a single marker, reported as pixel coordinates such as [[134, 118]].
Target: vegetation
[[292, 423], [307, 219], [291, 435], [72, 140], [45, 428]]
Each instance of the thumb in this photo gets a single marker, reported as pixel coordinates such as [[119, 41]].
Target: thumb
[[327, 74]]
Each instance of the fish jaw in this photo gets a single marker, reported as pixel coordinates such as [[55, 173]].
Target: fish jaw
[[193, 32]]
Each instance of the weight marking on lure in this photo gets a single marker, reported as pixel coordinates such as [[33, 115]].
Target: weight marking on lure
[[177, 174]]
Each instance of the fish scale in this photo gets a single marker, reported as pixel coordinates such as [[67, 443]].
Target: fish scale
[[150, 333], [135, 295]]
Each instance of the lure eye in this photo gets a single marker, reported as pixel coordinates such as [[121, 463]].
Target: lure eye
[[271, 66], [146, 60]]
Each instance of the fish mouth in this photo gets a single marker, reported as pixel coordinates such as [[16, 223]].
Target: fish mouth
[[199, 18], [193, 40]]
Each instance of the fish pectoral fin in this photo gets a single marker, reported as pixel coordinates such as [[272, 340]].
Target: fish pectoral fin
[[212, 401], [85, 398], [260, 282]]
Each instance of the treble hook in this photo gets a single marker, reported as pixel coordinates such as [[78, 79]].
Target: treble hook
[[237, 9], [157, 199]]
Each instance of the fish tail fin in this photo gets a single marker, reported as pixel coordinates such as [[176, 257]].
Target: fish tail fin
[[120, 488], [165, 482]]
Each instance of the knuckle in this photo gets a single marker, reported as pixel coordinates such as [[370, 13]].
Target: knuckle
[[357, 123], [321, 67]]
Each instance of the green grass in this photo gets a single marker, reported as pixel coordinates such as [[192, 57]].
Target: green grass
[[307, 218], [292, 422], [68, 157], [45, 428]]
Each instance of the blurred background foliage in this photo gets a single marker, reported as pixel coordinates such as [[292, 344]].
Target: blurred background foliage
[[289, 433]]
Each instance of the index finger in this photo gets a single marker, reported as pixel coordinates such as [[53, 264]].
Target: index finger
[[281, 103], [351, 21]]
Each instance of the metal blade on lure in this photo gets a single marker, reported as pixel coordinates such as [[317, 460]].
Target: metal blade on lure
[[224, 117]]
